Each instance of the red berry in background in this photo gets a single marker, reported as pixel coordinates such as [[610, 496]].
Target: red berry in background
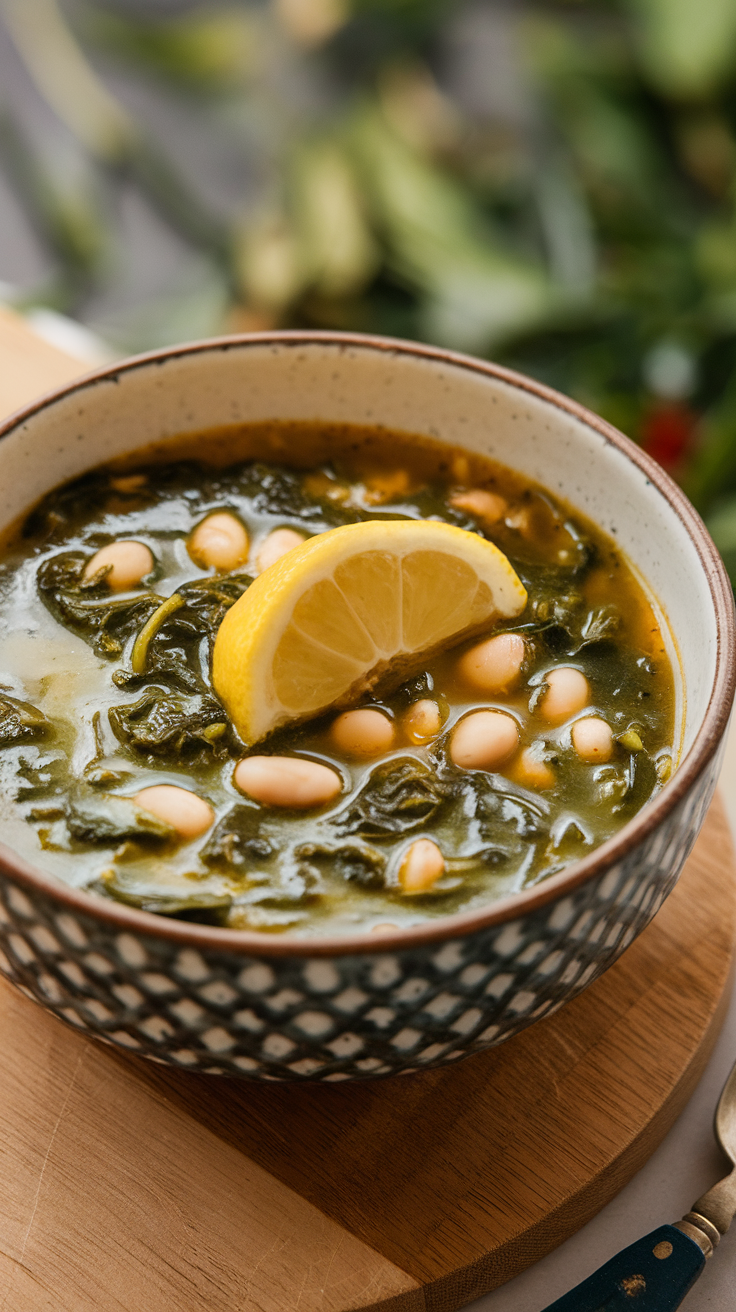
[[667, 432]]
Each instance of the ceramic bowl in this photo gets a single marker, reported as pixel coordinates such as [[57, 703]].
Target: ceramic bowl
[[337, 1008]]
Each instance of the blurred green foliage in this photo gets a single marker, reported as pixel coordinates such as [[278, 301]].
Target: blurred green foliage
[[573, 213], [200, 52]]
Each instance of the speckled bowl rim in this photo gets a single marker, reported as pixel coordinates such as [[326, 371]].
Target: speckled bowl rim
[[705, 744]]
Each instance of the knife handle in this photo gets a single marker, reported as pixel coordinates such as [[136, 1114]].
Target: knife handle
[[652, 1275]]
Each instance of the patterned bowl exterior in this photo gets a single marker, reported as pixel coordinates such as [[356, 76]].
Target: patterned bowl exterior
[[346, 1016]]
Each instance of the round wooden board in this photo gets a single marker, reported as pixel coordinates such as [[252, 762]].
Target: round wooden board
[[128, 1186]]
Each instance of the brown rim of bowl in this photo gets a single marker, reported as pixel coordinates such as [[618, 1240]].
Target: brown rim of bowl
[[707, 739]]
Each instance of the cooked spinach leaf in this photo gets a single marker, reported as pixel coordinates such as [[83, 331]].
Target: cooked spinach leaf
[[108, 818], [502, 810], [421, 685], [356, 863], [599, 626], [207, 600], [55, 517], [40, 773], [564, 627], [275, 490], [163, 724], [20, 722], [237, 842], [642, 781], [167, 895], [399, 797]]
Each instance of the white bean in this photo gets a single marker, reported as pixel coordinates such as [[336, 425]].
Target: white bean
[[493, 666], [592, 739], [290, 781], [460, 468], [128, 483], [422, 721], [567, 693], [363, 733], [129, 563], [484, 740], [186, 812], [532, 771], [421, 867], [220, 542], [389, 485], [486, 506], [276, 545]]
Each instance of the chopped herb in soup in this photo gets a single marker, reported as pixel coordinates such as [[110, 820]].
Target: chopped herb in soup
[[130, 764]]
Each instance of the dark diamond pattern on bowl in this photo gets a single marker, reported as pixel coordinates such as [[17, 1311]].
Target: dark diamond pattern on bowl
[[345, 1016]]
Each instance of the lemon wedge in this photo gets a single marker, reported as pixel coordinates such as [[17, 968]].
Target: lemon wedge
[[329, 619]]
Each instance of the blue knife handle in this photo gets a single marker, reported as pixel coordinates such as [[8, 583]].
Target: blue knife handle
[[652, 1275]]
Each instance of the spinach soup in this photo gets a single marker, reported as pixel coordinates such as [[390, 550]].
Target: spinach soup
[[482, 765]]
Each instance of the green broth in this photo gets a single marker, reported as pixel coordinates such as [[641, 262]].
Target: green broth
[[67, 780]]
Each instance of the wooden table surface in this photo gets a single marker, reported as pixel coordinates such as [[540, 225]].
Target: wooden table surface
[[25, 359]]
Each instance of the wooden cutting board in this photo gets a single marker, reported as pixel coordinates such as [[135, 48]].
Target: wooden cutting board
[[128, 1187]]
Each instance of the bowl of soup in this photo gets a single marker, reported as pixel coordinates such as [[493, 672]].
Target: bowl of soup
[[360, 703]]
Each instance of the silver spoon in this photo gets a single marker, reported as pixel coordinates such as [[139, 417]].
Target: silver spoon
[[655, 1273]]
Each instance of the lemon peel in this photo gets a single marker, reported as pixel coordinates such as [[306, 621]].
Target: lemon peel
[[333, 617]]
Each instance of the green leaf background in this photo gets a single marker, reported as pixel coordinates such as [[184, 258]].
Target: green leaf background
[[573, 213]]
